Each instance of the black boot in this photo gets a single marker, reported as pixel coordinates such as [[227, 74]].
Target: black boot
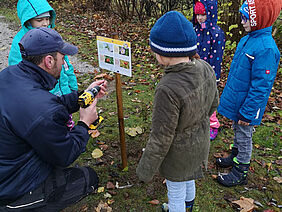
[[226, 162], [237, 176]]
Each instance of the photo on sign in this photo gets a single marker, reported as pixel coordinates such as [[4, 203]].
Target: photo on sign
[[107, 47], [124, 64], [109, 60], [123, 51]]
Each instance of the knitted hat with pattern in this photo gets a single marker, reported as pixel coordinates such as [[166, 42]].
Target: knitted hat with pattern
[[173, 36], [200, 8], [244, 9]]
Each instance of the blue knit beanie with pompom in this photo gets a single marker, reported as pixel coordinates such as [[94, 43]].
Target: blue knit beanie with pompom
[[173, 36]]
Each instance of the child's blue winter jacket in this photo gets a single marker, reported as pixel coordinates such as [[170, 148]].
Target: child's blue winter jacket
[[251, 76], [210, 37], [28, 9]]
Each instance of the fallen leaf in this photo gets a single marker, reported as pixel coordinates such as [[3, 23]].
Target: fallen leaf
[[269, 166], [99, 76], [100, 142], [107, 195], [133, 131], [84, 208], [214, 176], [110, 185], [221, 155], [110, 201], [154, 202], [245, 204], [125, 169], [109, 77], [278, 179], [113, 193], [139, 130], [130, 131], [103, 207], [257, 146], [94, 133], [101, 189], [97, 153], [104, 147]]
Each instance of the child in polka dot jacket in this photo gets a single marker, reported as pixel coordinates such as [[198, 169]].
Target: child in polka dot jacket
[[210, 43]]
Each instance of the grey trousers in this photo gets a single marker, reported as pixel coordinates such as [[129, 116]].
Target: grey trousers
[[243, 141]]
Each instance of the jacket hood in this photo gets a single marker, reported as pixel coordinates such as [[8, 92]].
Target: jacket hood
[[28, 9], [263, 13], [211, 11]]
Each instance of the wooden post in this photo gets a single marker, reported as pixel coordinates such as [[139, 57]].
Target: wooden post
[[120, 117]]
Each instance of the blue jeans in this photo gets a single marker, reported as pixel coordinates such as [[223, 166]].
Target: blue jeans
[[178, 193], [243, 142]]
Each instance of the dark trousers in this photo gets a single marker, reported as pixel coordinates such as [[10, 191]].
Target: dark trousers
[[62, 188]]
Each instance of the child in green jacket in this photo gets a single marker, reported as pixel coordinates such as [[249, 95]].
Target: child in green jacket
[[185, 98], [38, 13]]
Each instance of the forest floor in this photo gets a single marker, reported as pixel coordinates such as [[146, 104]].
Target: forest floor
[[120, 189]]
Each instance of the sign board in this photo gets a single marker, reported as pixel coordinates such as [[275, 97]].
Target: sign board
[[114, 55]]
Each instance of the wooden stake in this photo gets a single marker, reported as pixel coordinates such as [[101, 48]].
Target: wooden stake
[[120, 117]]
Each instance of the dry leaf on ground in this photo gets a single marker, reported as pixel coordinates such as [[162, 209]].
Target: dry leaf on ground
[[133, 131], [278, 179], [101, 189], [246, 204], [214, 176], [154, 202], [97, 153], [94, 133], [103, 207], [110, 185]]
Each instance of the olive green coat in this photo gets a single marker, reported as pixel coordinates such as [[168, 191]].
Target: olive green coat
[[179, 142]]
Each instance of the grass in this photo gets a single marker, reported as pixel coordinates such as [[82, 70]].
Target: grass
[[137, 95]]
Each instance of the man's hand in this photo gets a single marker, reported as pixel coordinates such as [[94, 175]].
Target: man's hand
[[103, 86], [243, 123], [89, 115]]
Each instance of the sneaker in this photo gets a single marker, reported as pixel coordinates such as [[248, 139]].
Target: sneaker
[[237, 176], [226, 162], [213, 133]]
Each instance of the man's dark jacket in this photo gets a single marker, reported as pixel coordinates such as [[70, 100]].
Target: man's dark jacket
[[34, 137]]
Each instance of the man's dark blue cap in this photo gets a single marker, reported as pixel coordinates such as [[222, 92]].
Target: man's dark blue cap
[[43, 40]]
